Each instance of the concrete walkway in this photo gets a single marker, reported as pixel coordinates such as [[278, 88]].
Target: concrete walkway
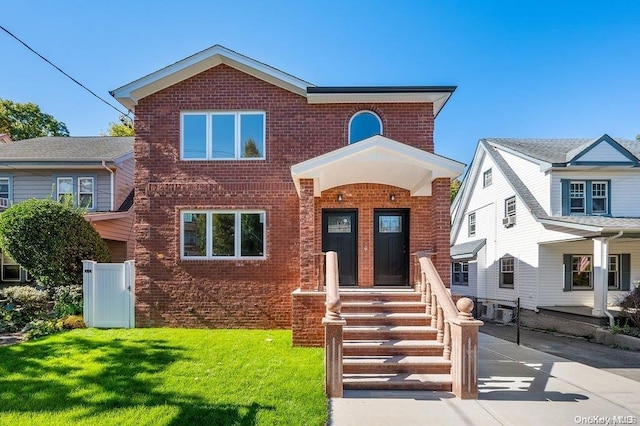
[[518, 386]]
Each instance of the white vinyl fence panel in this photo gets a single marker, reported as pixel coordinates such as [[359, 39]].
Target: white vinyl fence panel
[[109, 294]]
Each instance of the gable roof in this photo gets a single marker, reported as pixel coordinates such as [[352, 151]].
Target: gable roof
[[369, 161], [129, 94], [544, 151], [66, 149], [561, 152]]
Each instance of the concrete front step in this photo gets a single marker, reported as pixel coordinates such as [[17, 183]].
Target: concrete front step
[[392, 347], [389, 332], [384, 307], [381, 319], [402, 381], [396, 364]]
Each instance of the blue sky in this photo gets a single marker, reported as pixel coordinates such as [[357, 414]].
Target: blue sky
[[523, 68]]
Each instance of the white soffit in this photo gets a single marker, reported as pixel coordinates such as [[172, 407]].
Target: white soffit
[[129, 94], [376, 160]]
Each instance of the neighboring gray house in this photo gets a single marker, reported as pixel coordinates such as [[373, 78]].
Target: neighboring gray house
[[96, 172], [554, 222]]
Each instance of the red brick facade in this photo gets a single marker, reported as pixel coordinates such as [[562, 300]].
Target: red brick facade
[[258, 293]]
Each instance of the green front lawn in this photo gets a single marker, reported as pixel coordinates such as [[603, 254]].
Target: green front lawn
[[162, 377]]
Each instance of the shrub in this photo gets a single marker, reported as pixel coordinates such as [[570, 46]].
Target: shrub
[[50, 239], [67, 300], [72, 322], [631, 306], [23, 304], [41, 327]]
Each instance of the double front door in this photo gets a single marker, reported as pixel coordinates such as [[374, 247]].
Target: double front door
[[390, 245]]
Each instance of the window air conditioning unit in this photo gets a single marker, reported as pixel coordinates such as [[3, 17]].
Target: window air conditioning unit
[[504, 315], [509, 221], [487, 311]]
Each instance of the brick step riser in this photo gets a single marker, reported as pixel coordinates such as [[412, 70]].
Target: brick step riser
[[395, 369], [390, 351], [443, 387], [346, 309], [389, 335], [382, 322]]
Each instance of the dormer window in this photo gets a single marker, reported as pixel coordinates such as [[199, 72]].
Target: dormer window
[[586, 197], [364, 124]]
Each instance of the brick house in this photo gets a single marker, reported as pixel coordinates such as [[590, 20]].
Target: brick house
[[244, 174]]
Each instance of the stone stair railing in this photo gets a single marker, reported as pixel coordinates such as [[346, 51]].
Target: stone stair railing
[[333, 323], [456, 328]]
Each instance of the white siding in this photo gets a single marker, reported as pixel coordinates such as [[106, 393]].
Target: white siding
[[551, 271], [624, 184], [539, 183]]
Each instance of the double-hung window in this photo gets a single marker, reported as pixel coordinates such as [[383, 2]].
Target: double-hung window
[[507, 271], [78, 190], [613, 278], [472, 224], [229, 135], [579, 272], [510, 207], [460, 273], [223, 234], [5, 191], [487, 178], [64, 188], [586, 197]]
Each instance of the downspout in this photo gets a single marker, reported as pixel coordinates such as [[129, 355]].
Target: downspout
[[111, 189], [606, 287]]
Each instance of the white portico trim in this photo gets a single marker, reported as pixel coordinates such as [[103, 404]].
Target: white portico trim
[[376, 160]]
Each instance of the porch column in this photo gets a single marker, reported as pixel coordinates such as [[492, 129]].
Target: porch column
[[308, 274], [600, 275]]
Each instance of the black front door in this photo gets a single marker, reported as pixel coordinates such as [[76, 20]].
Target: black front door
[[339, 234], [391, 247]]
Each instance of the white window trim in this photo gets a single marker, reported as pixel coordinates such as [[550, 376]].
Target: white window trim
[[584, 197], [237, 135], [357, 114], [579, 288], [501, 284], [93, 192], [58, 193], [237, 235], [9, 188], [606, 201], [617, 271]]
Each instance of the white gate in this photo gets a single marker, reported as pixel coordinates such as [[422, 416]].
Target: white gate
[[109, 296]]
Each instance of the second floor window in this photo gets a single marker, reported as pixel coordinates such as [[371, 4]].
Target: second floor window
[[586, 197], [510, 207], [64, 188], [80, 190], [472, 224], [364, 124], [222, 135], [487, 178]]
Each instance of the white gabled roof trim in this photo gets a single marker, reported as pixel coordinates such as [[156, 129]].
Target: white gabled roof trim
[[129, 94], [376, 160], [437, 98]]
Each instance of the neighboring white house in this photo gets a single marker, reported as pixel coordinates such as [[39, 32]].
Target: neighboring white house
[[555, 222]]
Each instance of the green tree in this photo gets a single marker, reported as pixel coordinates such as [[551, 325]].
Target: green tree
[[25, 121], [123, 128], [251, 149], [638, 138], [455, 187], [50, 239]]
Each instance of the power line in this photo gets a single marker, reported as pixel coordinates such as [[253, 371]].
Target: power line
[[59, 69]]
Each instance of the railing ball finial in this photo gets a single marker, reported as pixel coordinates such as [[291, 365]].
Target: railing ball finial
[[465, 307]]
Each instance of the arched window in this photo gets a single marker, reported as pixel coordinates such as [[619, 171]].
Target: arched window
[[364, 124]]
